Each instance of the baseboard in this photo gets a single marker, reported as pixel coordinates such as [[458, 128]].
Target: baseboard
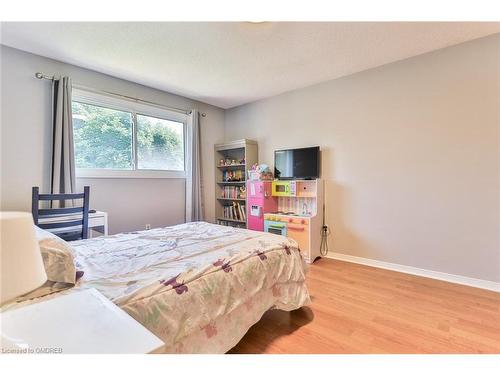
[[469, 281]]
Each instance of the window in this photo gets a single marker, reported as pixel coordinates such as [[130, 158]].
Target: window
[[160, 144], [119, 138], [102, 137]]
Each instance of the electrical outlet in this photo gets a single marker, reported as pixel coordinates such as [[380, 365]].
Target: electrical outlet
[[148, 226]]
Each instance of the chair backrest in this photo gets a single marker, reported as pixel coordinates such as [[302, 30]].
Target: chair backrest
[[64, 221]]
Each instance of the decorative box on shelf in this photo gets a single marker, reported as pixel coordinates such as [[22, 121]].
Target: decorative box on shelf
[[260, 172]]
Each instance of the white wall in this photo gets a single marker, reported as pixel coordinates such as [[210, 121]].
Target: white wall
[[26, 137], [411, 155]]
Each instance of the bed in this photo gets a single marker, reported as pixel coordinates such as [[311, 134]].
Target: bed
[[197, 286]]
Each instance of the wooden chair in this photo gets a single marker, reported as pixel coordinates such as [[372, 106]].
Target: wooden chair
[[62, 218]]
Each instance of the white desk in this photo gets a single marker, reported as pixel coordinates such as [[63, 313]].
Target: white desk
[[79, 322], [98, 221]]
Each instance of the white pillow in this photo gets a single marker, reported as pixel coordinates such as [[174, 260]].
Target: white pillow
[[58, 257]]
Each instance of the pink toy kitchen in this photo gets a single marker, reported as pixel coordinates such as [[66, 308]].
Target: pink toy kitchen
[[291, 207]]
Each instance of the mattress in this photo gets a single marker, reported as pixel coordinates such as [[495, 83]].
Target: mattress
[[197, 286]]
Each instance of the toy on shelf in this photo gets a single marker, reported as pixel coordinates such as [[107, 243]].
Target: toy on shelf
[[260, 172], [233, 176], [230, 162], [243, 192]]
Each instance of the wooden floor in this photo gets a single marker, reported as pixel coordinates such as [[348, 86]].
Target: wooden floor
[[361, 309]]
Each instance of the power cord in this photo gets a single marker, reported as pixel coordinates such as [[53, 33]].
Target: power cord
[[325, 232], [323, 248]]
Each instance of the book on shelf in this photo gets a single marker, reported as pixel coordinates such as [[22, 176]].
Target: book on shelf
[[242, 214], [235, 211], [232, 192], [231, 224]]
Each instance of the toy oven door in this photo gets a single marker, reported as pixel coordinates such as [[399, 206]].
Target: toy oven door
[[275, 227]]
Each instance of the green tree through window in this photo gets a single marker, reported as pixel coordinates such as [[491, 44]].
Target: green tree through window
[[160, 144], [103, 139]]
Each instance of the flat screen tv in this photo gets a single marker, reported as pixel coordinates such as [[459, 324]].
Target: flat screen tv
[[297, 163]]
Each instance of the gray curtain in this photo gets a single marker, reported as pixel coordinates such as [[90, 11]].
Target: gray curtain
[[194, 194], [63, 159]]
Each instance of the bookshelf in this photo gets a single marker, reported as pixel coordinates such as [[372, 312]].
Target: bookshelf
[[232, 159]]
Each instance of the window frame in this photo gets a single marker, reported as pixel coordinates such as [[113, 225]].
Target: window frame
[[134, 108]]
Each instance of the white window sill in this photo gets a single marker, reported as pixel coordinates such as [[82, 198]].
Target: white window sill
[[117, 173]]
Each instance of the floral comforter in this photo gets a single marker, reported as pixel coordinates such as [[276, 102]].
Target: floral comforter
[[197, 286]]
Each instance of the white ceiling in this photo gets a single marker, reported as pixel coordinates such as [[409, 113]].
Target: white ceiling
[[226, 63]]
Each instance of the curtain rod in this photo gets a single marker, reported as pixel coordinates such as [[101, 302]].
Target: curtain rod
[[40, 75]]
